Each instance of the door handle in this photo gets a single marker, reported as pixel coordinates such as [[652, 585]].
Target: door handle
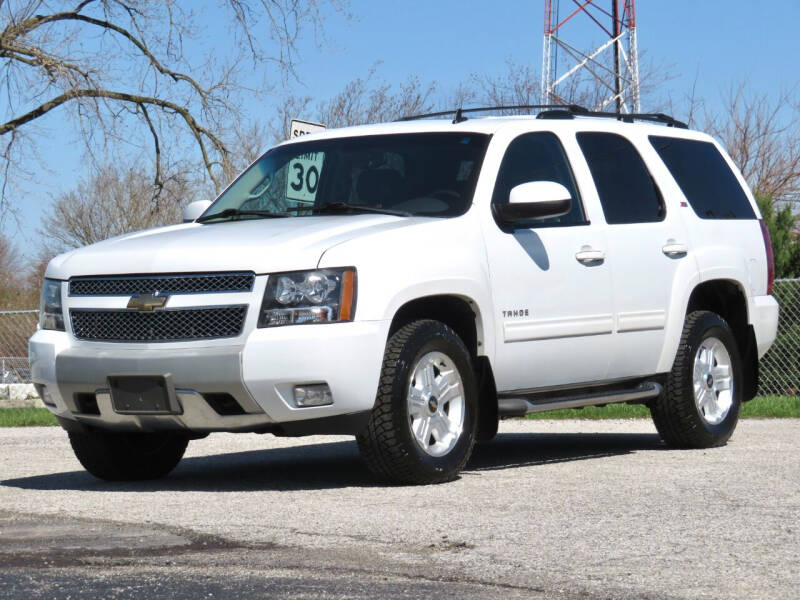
[[589, 256], [674, 249]]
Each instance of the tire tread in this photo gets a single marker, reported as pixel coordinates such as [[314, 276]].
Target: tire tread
[[381, 446], [674, 413], [111, 457]]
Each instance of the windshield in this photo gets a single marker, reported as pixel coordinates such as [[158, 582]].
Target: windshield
[[430, 174]]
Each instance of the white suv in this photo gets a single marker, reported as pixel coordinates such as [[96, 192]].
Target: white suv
[[411, 283]]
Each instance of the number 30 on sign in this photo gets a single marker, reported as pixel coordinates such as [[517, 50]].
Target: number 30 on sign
[[302, 177]]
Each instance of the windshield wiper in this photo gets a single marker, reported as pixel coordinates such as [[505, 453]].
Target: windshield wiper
[[344, 207], [235, 212]]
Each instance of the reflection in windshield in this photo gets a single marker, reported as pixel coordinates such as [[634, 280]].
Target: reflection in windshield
[[431, 174]]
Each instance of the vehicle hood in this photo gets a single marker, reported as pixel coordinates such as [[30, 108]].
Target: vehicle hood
[[262, 246]]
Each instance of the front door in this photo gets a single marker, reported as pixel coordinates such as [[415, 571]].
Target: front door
[[550, 282]]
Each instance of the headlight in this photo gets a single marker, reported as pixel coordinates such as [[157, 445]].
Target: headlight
[[321, 296], [51, 315]]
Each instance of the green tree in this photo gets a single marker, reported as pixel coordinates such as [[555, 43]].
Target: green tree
[[782, 224]]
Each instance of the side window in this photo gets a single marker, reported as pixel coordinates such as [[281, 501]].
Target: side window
[[704, 178], [538, 157], [627, 191]]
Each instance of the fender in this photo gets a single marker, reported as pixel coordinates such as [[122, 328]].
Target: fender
[[475, 295], [679, 303], [723, 263], [427, 258], [686, 279]]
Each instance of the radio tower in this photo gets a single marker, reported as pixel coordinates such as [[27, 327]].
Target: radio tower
[[620, 78]]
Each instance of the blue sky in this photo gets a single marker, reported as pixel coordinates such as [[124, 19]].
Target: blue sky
[[719, 42], [722, 41]]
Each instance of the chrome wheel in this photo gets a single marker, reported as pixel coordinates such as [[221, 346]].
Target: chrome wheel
[[713, 381], [436, 405]]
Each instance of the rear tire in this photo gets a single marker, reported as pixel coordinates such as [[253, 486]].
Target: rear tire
[[700, 404], [422, 427], [128, 456]]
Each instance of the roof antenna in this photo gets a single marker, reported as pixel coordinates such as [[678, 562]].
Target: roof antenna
[[459, 118]]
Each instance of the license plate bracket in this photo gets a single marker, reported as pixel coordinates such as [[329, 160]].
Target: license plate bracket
[[143, 395]]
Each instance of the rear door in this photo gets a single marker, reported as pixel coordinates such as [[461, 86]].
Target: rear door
[[717, 210], [647, 241]]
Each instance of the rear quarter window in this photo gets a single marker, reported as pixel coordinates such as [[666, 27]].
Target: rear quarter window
[[704, 177]]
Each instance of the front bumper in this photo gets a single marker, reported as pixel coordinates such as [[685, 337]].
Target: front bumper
[[260, 374]]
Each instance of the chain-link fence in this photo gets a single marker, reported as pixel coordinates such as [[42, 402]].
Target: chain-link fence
[[779, 371], [16, 326], [780, 368]]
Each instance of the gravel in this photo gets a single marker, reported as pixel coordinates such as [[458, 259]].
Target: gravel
[[594, 509]]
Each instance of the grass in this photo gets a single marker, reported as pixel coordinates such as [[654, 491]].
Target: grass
[[763, 407], [590, 413], [26, 417], [772, 407]]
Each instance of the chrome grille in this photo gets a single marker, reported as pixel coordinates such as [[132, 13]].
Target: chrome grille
[[165, 284], [171, 325]]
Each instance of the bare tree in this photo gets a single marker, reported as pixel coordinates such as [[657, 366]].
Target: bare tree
[[517, 86], [9, 262], [520, 85], [34, 275], [762, 135], [112, 201], [362, 100], [15, 291], [121, 68]]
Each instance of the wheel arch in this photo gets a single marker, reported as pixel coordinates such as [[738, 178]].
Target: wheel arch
[[728, 299], [462, 314]]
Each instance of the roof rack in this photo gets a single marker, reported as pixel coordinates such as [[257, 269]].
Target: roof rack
[[572, 111], [555, 111], [460, 112]]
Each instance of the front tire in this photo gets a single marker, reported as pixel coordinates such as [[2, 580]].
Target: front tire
[[700, 404], [422, 427], [128, 456]]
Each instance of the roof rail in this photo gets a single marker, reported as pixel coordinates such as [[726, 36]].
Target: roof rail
[[570, 113], [460, 112], [555, 111]]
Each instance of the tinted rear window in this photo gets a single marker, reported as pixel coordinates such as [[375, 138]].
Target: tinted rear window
[[704, 178]]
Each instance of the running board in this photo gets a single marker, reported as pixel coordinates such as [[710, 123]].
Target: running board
[[517, 407]]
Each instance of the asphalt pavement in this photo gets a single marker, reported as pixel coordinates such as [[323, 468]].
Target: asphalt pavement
[[550, 509]]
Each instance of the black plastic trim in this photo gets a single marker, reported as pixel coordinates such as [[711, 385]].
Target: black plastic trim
[[349, 424]]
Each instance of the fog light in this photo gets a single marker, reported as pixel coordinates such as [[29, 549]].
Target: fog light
[[313, 395]]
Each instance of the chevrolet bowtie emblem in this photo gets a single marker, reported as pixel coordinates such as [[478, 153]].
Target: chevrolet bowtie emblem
[[147, 302]]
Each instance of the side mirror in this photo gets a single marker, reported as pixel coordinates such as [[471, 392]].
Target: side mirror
[[194, 210], [533, 200]]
